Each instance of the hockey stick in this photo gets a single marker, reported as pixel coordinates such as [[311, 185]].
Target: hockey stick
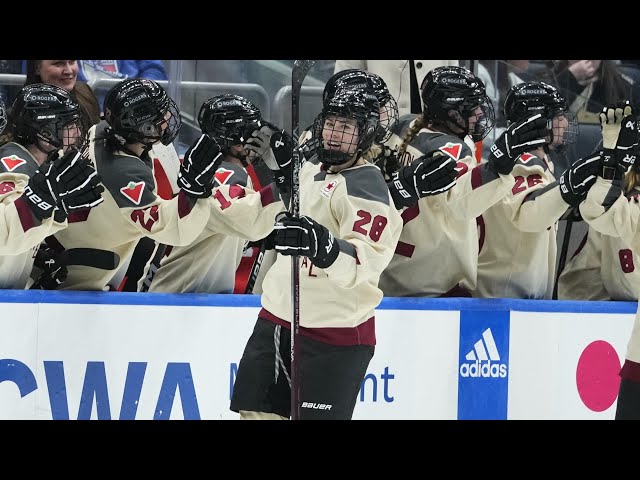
[[89, 257], [570, 217], [298, 74]]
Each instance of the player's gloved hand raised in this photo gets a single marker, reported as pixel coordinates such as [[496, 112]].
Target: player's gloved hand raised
[[63, 184], [620, 138], [196, 174], [53, 274], [79, 185], [258, 143], [427, 175], [576, 180], [387, 162], [304, 236], [519, 137]]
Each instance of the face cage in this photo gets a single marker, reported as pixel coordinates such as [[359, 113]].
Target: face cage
[[3, 119], [387, 126], [235, 134], [570, 134], [173, 124], [59, 136], [485, 123], [334, 157]]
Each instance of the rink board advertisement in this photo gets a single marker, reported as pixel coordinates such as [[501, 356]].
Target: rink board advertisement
[[106, 355]]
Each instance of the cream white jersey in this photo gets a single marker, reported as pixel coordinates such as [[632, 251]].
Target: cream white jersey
[[518, 234], [21, 233], [621, 220], [437, 252], [132, 210], [337, 303], [603, 268], [209, 263]]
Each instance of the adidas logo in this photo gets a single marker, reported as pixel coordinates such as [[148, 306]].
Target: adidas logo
[[480, 359]]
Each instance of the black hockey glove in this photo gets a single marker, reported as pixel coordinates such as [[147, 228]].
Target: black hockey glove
[[79, 185], [258, 143], [430, 174], [53, 274], [620, 138], [282, 147], [62, 185], [387, 162], [578, 178], [202, 159], [519, 137], [304, 236], [309, 148]]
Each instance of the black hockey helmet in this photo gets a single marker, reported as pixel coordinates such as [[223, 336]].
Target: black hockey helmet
[[359, 105], [45, 112], [3, 117], [355, 79], [451, 95], [230, 119], [139, 110], [529, 98]]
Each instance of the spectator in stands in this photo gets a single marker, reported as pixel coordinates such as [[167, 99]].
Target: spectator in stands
[[64, 74], [9, 92], [345, 234], [517, 255], [209, 263], [499, 76], [610, 212], [138, 114], [43, 177], [92, 71], [403, 77], [590, 85], [439, 232]]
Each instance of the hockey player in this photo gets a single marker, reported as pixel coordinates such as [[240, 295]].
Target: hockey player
[[43, 178], [209, 263], [346, 235], [608, 211], [138, 114], [518, 233], [439, 232]]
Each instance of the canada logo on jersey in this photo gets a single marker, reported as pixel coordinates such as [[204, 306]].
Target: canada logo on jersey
[[452, 149], [328, 188], [12, 162], [525, 157], [223, 175], [133, 191]]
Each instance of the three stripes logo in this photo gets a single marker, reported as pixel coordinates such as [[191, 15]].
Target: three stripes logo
[[483, 360]]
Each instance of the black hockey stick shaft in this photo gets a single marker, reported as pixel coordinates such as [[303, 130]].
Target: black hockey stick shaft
[[298, 74], [563, 253], [89, 257]]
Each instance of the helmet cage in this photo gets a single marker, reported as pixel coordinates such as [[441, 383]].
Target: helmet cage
[[137, 110], [358, 105], [451, 96], [530, 98], [47, 113], [230, 119]]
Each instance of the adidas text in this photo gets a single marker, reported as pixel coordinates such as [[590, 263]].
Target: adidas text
[[484, 369]]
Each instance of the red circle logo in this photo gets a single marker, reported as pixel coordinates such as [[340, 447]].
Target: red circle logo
[[597, 376]]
